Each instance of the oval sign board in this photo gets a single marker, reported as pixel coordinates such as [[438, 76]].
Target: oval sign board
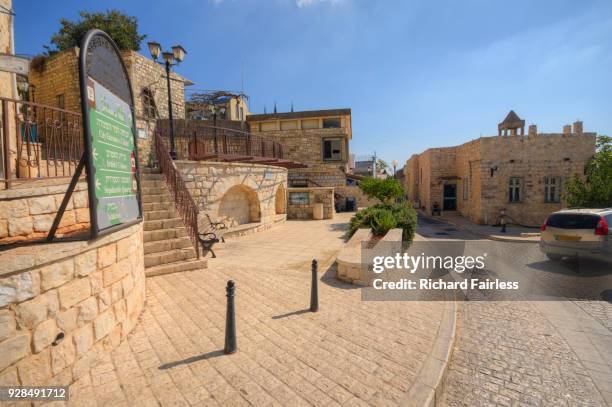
[[111, 149]]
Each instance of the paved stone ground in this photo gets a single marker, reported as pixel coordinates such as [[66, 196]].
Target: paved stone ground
[[508, 354], [524, 353], [350, 353]]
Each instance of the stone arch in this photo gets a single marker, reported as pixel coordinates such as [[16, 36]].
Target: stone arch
[[280, 200], [239, 205]]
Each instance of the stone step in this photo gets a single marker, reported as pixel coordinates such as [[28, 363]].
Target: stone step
[[163, 224], [160, 198], [157, 215], [168, 244], [154, 190], [163, 234], [148, 171], [157, 206], [170, 256], [153, 183], [176, 267]]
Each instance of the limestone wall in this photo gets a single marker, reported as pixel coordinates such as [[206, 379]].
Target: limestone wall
[[64, 304], [306, 146], [354, 191], [27, 213], [236, 193], [59, 75], [482, 169], [530, 158], [318, 195]]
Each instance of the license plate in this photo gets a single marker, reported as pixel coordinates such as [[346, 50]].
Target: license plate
[[565, 238]]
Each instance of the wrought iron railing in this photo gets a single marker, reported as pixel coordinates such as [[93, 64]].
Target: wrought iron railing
[[38, 141], [198, 140], [183, 200]]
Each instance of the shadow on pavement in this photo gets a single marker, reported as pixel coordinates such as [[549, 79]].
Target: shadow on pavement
[[329, 278], [574, 267], [204, 356], [289, 314]]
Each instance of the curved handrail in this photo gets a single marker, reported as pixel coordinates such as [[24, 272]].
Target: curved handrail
[[183, 200]]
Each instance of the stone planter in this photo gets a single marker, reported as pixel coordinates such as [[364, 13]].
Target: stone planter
[[353, 264]]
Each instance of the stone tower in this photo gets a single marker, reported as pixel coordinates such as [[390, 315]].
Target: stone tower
[[510, 125]]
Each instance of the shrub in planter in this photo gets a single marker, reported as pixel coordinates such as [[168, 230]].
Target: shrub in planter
[[378, 218], [382, 222]]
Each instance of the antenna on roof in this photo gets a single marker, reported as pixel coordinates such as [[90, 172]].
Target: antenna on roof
[[241, 77], [292, 106], [275, 108]]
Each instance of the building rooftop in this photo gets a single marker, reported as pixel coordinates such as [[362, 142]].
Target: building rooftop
[[298, 115]]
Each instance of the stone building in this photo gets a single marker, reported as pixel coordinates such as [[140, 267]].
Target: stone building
[[54, 81], [522, 175], [227, 106], [319, 139], [8, 85]]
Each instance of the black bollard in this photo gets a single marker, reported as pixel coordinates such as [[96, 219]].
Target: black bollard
[[314, 288], [230, 320]]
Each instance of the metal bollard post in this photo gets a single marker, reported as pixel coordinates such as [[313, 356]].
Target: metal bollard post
[[314, 288], [230, 320]]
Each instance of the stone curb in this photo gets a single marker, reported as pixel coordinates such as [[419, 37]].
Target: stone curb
[[486, 236], [428, 387]]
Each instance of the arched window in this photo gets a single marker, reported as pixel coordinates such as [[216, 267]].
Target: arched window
[[149, 109]]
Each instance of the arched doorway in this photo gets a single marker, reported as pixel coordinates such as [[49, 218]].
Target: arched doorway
[[280, 200], [239, 205]]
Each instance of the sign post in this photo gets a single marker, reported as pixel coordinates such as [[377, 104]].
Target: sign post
[[110, 148]]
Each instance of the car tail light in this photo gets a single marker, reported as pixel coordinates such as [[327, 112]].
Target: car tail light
[[602, 227], [543, 227]]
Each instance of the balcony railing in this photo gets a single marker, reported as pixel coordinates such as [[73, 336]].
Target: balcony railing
[[38, 141], [198, 140]]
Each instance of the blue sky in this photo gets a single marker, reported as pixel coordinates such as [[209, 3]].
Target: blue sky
[[416, 74]]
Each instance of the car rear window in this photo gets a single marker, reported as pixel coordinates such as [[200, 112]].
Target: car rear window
[[572, 221]]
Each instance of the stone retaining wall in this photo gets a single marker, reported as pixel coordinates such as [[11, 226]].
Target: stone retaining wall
[[64, 304], [353, 191], [319, 195], [236, 193], [27, 213]]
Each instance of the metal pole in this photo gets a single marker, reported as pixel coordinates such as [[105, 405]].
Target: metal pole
[[314, 288], [67, 195], [230, 320], [172, 150], [6, 143]]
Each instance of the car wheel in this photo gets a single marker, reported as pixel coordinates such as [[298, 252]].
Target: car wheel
[[553, 257]]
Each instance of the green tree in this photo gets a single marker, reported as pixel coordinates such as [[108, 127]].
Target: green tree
[[123, 29], [594, 190], [381, 165], [386, 190]]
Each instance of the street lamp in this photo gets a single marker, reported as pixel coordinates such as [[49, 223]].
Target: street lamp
[[394, 163], [178, 54]]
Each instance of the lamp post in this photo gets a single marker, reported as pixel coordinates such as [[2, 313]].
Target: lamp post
[[178, 54], [394, 163]]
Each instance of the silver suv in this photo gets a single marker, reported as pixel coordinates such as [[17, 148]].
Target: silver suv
[[578, 233]]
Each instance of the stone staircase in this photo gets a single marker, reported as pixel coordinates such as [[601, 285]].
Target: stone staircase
[[167, 247]]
